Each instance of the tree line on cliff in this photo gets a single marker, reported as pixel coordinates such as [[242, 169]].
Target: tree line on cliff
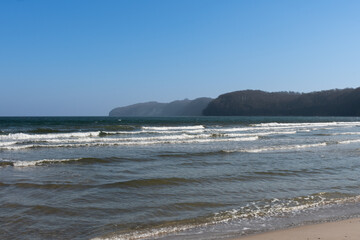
[[345, 102], [336, 102], [184, 107]]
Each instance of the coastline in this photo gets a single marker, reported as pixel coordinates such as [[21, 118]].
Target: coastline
[[338, 230]]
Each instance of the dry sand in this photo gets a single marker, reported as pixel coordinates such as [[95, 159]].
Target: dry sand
[[342, 230]]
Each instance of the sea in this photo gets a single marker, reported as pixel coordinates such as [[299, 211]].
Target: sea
[[174, 178]]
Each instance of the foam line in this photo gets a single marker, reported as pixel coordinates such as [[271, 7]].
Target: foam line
[[278, 148], [174, 128]]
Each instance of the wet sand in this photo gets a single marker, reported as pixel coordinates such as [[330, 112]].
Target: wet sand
[[341, 230]]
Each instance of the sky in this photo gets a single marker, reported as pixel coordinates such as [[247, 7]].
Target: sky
[[86, 57]]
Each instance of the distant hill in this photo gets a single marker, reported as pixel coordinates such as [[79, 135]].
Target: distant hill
[[336, 102], [345, 102], [154, 109]]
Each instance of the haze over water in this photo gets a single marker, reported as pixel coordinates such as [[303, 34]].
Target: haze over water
[[174, 178]]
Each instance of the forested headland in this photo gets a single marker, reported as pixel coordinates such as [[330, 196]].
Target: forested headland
[[344, 102], [336, 102]]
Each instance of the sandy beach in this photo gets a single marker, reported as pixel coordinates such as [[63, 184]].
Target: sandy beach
[[346, 229]]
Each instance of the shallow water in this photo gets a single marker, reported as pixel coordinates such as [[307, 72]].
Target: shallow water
[[174, 178]]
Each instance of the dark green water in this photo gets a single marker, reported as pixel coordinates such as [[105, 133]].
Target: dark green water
[[174, 178]]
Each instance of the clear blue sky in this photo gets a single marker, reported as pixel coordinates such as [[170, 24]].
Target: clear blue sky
[[85, 57]]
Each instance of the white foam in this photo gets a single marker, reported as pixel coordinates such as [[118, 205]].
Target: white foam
[[279, 148], [316, 124], [174, 131], [114, 140], [121, 132], [146, 234], [240, 139], [39, 162], [25, 136], [136, 141], [289, 126], [174, 128], [349, 141], [346, 133], [16, 147], [234, 129], [260, 134], [254, 210], [169, 135], [279, 208], [3, 144], [129, 139]]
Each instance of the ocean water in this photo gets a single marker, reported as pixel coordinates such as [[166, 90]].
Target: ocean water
[[174, 178]]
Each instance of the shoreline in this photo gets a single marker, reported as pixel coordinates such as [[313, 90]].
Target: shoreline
[[337, 230]]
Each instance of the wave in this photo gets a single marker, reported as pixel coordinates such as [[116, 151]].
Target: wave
[[260, 134], [48, 185], [6, 163], [53, 161], [174, 128], [36, 209], [284, 173], [114, 133], [168, 139], [279, 148], [264, 210], [291, 126], [92, 134], [25, 136], [192, 205], [89, 140], [139, 183], [233, 129], [316, 124], [121, 128], [191, 154], [148, 135], [57, 134], [4, 144], [127, 142], [275, 207], [86, 136], [349, 141], [346, 133], [187, 131], [94, 139]]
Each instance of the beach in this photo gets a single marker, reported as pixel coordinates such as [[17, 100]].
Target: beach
[[339, 230]]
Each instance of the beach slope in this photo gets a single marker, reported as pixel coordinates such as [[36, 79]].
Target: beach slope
[[346, 229]]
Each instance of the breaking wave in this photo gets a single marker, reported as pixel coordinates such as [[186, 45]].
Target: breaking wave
[[179, 128], [279, 148], [263, 210], [150, 135], [42, 162]]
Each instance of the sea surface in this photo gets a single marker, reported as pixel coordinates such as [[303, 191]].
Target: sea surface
[[174, 178]]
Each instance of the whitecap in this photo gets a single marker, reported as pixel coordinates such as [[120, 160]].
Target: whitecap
[[278, 148], [174, 128]]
